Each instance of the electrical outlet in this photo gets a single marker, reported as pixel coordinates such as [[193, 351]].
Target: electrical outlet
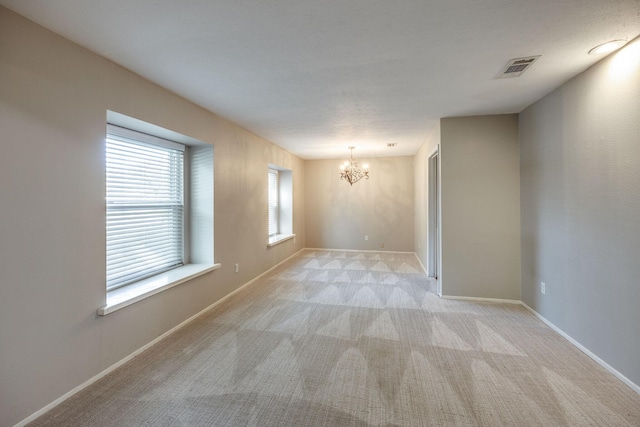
[[366, 237], [237, 268], [542, 288], [381, 245]]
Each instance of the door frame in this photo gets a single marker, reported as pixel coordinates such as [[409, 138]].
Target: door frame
[[434, 230]]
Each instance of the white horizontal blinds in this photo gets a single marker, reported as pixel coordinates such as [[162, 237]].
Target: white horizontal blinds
[[145, 206], [273, 202]]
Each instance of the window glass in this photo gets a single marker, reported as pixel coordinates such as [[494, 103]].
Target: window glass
[[273, 202], [145, 206]]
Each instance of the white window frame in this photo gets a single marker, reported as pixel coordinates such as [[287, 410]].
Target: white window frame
[[156, 244], [284, 212], [273, 184], [198, 225]]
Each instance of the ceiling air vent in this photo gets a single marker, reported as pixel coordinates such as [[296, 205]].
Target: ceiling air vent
[[517, 66]]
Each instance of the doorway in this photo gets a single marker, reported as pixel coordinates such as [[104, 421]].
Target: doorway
[[433, 210]]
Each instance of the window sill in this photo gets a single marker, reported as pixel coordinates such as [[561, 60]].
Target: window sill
[[130, 294], [279, 238]]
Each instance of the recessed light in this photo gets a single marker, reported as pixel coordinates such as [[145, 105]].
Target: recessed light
[[607, 47]]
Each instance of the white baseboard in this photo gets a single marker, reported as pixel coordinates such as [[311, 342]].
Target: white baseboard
[[121, 362], [563, 334], [585, 350], [421, 264], [476, 299], [358, 250]]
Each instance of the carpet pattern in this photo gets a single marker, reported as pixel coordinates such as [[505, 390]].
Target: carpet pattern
[[334, 338]]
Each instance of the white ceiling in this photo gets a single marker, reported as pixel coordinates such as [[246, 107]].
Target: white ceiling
[[317, 76]]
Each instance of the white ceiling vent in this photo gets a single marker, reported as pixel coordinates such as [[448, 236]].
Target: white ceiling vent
[[517, 66]]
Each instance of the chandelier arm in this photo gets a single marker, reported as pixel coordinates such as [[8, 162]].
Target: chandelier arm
[[351, 172]]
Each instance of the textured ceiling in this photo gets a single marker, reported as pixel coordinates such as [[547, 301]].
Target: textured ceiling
[[317, 76]]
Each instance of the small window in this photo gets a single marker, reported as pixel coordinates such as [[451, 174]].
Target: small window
[[273, 202], [145, 206], [280, 195]]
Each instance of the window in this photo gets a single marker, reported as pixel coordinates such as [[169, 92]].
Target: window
[[273, 202], [280, 195], [159, 223], [145, 206]]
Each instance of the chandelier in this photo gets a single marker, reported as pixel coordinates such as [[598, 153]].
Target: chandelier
[[350, 172]]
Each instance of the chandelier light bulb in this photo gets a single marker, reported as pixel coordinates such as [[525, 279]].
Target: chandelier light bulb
[[350, 172]]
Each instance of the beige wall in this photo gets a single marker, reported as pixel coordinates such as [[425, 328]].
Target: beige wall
[[480, 207], [338, 215], [580, 187], [54, 97]]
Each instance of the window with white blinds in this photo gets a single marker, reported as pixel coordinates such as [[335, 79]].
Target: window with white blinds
[[145, 205], [273, 202]]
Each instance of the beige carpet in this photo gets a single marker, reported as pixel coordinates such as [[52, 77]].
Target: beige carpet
[[355, 339]]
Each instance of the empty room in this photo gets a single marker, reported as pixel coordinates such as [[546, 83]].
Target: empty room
[[340, 213]]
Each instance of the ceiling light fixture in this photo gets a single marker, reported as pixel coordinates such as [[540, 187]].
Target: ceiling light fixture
[[350, 172], [607, 47]]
